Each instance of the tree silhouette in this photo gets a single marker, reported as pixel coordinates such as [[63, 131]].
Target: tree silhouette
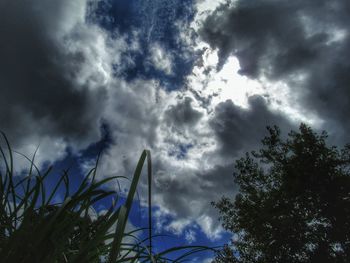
[[293, 203]]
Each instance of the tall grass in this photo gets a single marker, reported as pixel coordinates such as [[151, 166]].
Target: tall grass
[[35, 229]]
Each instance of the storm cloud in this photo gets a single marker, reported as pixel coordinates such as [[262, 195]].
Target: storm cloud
[[183, 113], [50, 83], [65, 71], [304, 44], [240, 130]]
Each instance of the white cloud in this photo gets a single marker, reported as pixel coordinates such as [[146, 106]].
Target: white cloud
[[137, 112], [209, 226], [222, 85], [190, 236], [142, 114], [204, 8], [178, 226], [160, 59], [72, 64], [208, 260]]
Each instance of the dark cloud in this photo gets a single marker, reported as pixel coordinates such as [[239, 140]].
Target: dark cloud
[[198, 185], [282, 40], [183, 113], [39, 73], [51, 85], [260, 32], [236, 130], [240, 130], [189, 194]]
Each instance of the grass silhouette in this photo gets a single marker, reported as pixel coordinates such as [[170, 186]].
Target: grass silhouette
[[35, 229]]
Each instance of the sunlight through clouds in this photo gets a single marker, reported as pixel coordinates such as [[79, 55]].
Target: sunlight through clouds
[[226, 84], [173, 83]]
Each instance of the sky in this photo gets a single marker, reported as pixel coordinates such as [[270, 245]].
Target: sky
[[194, 81]]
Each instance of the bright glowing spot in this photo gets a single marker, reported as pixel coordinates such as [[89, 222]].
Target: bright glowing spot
[[229, 85], [225, 84]]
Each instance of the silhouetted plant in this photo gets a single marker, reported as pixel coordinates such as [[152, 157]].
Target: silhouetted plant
[[293, 203], [34, 229]]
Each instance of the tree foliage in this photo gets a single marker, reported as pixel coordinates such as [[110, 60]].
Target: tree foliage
[[293, 204]]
